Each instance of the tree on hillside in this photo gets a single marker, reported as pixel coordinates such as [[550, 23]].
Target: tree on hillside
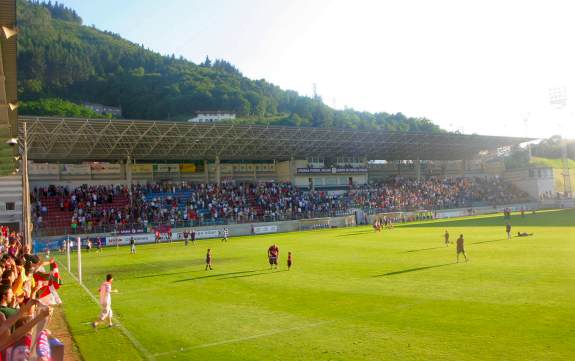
[[60, 58], [58, 107], [552, 148], [207, 63]]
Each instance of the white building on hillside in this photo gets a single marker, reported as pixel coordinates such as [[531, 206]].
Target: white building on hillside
[[212, 116], [104, 109]]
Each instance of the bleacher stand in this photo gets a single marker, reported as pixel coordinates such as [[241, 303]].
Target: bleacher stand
[[87, 209]]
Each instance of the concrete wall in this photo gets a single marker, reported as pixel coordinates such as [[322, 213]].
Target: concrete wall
[[48, 174], [462, 212], [330, 180], [558, 203], [471, 168], [11, 191], [533, 181], [234, 229], [283, 171], [306, 224]]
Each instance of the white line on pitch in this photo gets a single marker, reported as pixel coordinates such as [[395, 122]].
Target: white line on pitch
[[241, 339], [145, 353]]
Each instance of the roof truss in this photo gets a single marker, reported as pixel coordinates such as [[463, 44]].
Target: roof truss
[[61, 139]]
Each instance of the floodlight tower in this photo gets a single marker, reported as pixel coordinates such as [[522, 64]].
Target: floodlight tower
[[526, 121], [558, 100]]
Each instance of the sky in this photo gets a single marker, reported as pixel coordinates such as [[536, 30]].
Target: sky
[[485, 67]]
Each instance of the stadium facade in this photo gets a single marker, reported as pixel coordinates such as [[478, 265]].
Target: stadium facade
[[72, 152], [136, 151]]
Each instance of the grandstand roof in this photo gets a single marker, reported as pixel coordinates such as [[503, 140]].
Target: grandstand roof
[[60, 139], [8, 50]]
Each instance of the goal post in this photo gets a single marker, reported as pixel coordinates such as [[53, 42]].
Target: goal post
[[79, 241]]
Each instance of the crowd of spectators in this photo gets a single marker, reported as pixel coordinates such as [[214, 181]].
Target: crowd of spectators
[[25, 297], [146, 205], [401, 194], [553, 195], [90, 206]]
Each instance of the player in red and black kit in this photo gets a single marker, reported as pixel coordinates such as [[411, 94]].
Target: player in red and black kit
[[99, 245], [185, 234], [273, 254], [289, 261]]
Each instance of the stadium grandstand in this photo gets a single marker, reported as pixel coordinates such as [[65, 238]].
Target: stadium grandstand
[[93, 175], [117, 181]]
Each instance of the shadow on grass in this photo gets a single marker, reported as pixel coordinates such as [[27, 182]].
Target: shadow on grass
[[253, 274], [493, 240], [219, 275], [426, 249], [160, 268], [355, 233], [166, 274], [414, 269]]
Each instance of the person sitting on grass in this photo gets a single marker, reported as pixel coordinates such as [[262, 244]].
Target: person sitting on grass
[[524, 234]]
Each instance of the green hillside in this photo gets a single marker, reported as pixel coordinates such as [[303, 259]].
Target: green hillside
[[58, 57], [553, 163]]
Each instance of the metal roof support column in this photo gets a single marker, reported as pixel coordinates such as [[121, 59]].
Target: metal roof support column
[[218, 170], [418, 169], [566, 175], [292, 170], [206, 173], [463, 166], [26, 190], [129, 172]]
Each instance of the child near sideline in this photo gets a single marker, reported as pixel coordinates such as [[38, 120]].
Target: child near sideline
[[132, 245], [105, 291], [289, 261], [209, 260]]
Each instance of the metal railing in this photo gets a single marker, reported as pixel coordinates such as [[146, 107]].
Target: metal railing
[[149, 226]]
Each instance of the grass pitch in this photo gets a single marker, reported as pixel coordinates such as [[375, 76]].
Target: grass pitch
[[352, 294]]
